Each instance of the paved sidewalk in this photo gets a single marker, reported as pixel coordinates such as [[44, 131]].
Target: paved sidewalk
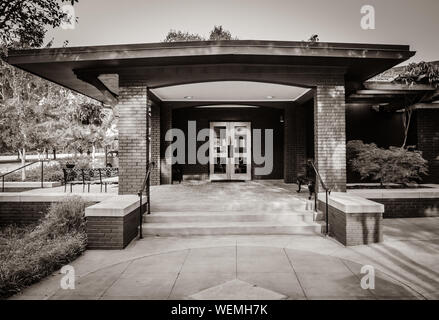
[[258, 267]]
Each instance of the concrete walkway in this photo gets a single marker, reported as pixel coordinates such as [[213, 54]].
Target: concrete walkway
[[258, 267]]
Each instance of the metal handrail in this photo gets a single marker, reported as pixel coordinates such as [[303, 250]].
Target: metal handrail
[[22, 167], [146, 184], [327, 192]]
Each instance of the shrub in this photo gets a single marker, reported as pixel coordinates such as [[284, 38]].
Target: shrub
[[62, 218], [52, 172], [27, 255], [393, 165]]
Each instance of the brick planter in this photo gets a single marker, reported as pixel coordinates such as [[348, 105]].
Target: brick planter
[[353, 220], [113, 223], [405, 203]]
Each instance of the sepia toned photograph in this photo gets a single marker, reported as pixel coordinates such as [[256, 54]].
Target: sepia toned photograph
[[219, 156]]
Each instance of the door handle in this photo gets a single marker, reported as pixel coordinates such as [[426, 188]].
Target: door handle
[[229, 147]]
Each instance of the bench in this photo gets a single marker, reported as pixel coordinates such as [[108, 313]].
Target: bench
[[101, 176]]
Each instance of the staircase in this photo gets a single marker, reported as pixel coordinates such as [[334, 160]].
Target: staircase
[[224, 212]]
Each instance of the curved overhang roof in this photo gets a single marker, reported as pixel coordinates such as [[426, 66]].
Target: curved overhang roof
[[165, 64]]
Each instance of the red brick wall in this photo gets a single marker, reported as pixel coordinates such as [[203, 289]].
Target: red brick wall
[[428, 141]]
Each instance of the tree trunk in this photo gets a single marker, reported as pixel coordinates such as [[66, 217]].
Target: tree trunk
[[407, 115], [22, 153], [93, 153], [54, 154]]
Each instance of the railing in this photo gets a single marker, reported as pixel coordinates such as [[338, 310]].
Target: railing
[[145, 185], [22, 167], [327, 191]]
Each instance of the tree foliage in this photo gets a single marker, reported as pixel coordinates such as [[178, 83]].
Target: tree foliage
[[24, 22], [420, 73], [216, 34], [393, 165], [178, 36], [36, 114]]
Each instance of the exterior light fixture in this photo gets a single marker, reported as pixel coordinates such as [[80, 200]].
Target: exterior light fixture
[[188, 97], [270, 97], [281, 119]]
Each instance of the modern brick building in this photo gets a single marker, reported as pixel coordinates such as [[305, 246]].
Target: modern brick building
[[314, 96]]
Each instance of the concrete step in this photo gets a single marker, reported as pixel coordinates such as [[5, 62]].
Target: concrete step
[[232, 228], [226, 205], [238, 216], [318, 215]]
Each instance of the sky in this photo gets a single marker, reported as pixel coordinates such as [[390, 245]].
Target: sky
[[410, 22]]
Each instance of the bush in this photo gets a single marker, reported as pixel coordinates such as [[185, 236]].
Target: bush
[[393, 165], [62, 218], [84, 162], [52, 172], [28, 255]]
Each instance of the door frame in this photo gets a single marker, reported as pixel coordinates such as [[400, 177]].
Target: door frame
[[230, 174]]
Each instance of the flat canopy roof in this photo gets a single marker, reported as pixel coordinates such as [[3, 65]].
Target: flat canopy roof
[[166, 64]]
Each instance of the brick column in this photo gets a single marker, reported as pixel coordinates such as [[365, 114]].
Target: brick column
[[155, 144], [294, 142], [428, 141], [165, 163], [132, 136], [289, 135], [330, 135], [300, 148]]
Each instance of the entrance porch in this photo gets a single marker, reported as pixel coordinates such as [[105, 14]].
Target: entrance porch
[[227, 208], [301, 95]]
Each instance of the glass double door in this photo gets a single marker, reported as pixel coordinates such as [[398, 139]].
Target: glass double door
[[230, 151]]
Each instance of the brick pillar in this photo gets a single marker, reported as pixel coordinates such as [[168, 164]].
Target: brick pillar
[[155, 144], [330, 135], [294, 142], [132, 136], [428, 141], [300, 148], [289, 135], [165, 163]]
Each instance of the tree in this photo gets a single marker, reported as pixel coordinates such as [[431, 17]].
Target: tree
[[416, 73], [19, 109], [36, 114], [86, 126], [39, 115], [179, 36], [24, 22], [419, 73], [217, 33]]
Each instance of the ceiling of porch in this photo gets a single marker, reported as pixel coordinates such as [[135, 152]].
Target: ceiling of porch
[[230, 91]]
